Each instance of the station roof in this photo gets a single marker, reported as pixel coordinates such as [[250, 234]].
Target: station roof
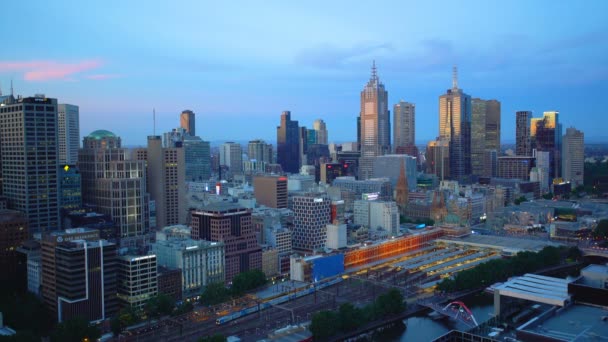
[[537, 288]]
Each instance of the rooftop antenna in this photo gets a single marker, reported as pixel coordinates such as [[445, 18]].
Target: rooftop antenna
[[454, 77], [374, 70], [12, 94], [0, 89], [153, 121]]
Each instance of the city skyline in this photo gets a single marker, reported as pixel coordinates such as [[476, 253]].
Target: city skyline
[[226, 65]]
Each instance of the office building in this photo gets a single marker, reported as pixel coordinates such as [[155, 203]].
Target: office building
[[70, 192], [231, 155], [170, 282], [573, 157], [167, 177], [187, 122], [402, 191], [455, 126], [320, 130], [288, 144], [438, 158], [515, 167], [311, 215], [404, 125], [260, 151], [331, 171], [231, 224], [30, 155], [197, 158], [336, 236], [13, 232], [270, 262], [485, 133], [137, 280], [384, 215], [389, 166], [270, 191], [546, 135], [375, 124], [68, 133], [523, 144], [114, 184]]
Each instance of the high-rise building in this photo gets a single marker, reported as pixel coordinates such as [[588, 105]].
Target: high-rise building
[[485, 133], [404, 125], [455, 126], [515, 167], [167, 176], [288, 144], [69, 133], [231, 155], [114, 183], [573, 157], [438, 158], [402, 190], [312, 213], [270, 191], [197, 158], [546, 135], [137, 280], [30, 155], [375, 124], [13, 232], [260, 151], [303, 145], [231, 224], [321, 131], [331, 171], [186, 121], [70, 191], [523, 145], [388, 166]]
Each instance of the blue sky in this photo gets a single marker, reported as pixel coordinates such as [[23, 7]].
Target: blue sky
[[238, 64]]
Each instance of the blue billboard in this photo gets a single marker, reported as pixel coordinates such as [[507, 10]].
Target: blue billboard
[[328, 266]]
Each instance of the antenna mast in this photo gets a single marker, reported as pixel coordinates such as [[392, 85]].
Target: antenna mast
[[153, 121], [12, 94], [454, 77]]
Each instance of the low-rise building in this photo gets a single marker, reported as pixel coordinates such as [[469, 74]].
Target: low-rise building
[[137, 280]]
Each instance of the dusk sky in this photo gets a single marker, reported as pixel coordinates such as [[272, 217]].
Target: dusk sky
[[238, 64]]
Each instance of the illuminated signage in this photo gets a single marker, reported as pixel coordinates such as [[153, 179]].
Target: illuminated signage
[[318, 200]]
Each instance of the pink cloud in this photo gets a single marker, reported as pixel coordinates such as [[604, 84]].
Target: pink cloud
[[103, 76], [46, 70]]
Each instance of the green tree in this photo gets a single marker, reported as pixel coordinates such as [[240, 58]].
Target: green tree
[[214, 293], [601, 231], [214, 338], [125, 317], [520, 200], [183, 308], [350, 317], [390, 303], [247, 281], [75, 330], [159, 305], [324, 325]]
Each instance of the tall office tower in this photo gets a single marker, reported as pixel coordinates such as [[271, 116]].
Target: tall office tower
[[114, 183], [455, 125], [375, 124], [288, 144], [186, 121], [515, 167], [312, 213], [523, 145], [402, 191], [404, 125], [13, 232], [388, 166], [485, 133], [270, 191], [198, 158], [69, 133], [546, 135], [438, 158], [137, 280], [70, 188], [260, 151], [303, 145], [321, 129], [231, 155], [573, 157], [167, 175], [29, 152], [230, 224]]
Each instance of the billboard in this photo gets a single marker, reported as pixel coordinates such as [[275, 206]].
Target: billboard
[[328, 266]]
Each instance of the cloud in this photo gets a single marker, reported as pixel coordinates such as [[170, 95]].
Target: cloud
[[329, 56], [103, 76], [47, 70]]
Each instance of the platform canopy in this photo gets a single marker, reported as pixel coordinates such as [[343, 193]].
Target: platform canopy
[[537, 288]]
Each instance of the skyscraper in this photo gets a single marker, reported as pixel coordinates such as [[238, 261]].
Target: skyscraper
[[573, 157], [321, 129], [438, 158], [288, 144], [402, 190], [29, 152], [69, 133], [455, 126], [167, 176], [198, 158], [260, 151], [485, 133], [186, 120], [375, 124], [523, 145], [546, 135], [404, 125], [312, 213], [231, 155]]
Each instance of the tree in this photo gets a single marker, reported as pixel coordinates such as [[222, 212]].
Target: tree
[[247, 281], [75, 330], [391, 303], [520, 200], [183, 308], [324, 325], [159, 305], [350, 317], [214, 338], [214, 293], [125, 317], [601, 231]]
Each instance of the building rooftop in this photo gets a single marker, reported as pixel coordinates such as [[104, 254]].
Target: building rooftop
[[577, 323], [501, 242], [537, 288], [221, 207], [100, 134], [7, 215]]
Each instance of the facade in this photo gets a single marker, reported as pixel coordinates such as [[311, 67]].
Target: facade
[[270, 262], [288, 144], [336, 236], [402, 191], [485, 133], [137, 280], [69, 133], [260, 151], [311, 215], [187, 122], [170, 282], [385, 215], [201, 262], [455, 126], [517, 167], [30, 154], [321, 131], [13, 232], [231, 155], [70, 191], [167, 179], [231, 224], [438, 158], [197, 158], [389, 166], [546, 136], [523, 144], [573, 157], [404, 125], [270, 191], [114, 183], [331, 171]]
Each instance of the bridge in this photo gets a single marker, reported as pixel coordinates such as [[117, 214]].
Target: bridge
[[456, 310], [594, 251]]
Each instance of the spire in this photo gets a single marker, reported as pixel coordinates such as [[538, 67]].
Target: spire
[[12, 94], [0, 89], [374, 71], [454, 77]]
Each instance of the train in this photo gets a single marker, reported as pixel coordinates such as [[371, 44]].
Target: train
[[276, 301]]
